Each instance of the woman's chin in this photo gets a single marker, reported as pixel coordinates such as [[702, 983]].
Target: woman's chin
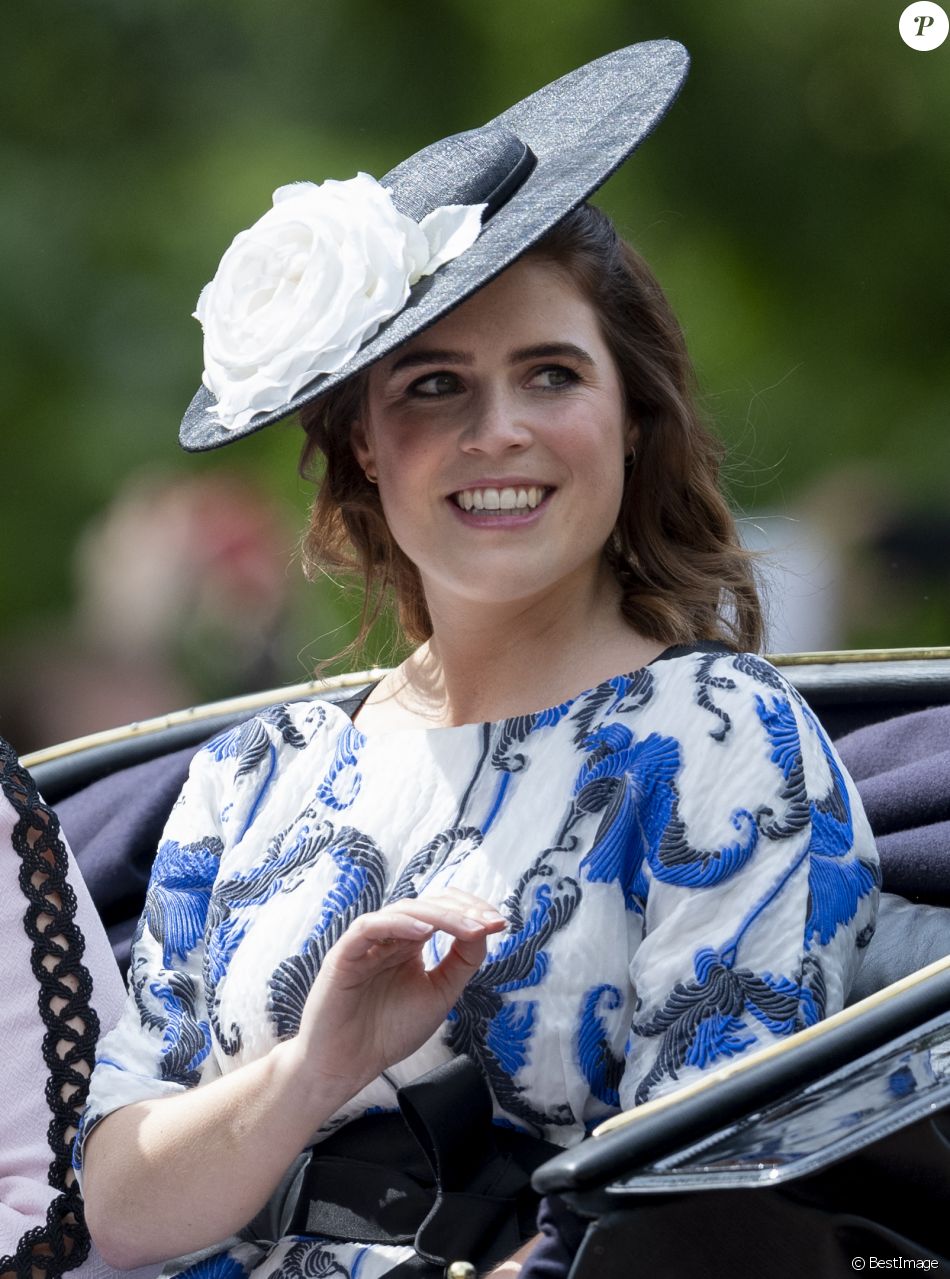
[[504, 582]]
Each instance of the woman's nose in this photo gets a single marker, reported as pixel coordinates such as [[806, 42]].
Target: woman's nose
[[498, 423]]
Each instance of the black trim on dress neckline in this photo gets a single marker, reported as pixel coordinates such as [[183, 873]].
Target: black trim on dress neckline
[[353, 702], [702, 646]]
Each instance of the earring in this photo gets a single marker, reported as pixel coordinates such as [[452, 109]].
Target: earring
[[629, 458], [372, 478]]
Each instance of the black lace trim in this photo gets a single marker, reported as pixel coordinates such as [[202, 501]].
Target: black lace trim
[[65, 986]]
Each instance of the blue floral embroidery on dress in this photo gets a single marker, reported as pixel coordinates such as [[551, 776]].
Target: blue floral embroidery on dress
[[836, 883], [620, 779], [220, 1266], [305, 1259], [186, 1040], [620, 695], [505, 759], [235, 900], [483, 1023], [515, 731], [250, 743], [179, 891], [508, 1033], [835, 890], [599, 1064], [673, 860], [446, 849], [705, 680], [357, 890], [613, 781], [343, 779], [501, 791], [701, 1021], [760, 670], [86, 1120]]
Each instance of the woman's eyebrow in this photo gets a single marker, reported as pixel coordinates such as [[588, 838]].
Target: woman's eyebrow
[[445, 355], [431, 355], [551, 350]]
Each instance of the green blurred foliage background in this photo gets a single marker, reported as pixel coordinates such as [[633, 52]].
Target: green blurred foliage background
[[794, 204]]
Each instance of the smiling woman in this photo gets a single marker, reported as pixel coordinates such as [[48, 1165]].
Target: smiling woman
[[451, 442], [580, 847], [671, 542]]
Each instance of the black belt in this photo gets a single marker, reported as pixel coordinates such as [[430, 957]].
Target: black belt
[[439, 1175]]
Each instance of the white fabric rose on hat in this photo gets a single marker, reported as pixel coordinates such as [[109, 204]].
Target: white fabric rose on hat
[[299, 292]]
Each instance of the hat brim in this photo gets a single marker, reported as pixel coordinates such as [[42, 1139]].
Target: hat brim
[[581, 128]]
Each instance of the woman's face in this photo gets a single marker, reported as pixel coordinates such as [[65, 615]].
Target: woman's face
[[497, 438]]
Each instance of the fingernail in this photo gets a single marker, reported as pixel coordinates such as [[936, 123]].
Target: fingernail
[[471, 922], [492, 916], [421, 927]]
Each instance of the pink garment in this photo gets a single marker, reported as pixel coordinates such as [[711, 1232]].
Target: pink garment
[[25, 1115]]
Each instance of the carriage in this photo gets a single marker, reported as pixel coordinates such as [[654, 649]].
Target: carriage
[[826, 1153]]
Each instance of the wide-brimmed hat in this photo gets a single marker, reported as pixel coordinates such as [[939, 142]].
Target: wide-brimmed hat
[[517, 176]]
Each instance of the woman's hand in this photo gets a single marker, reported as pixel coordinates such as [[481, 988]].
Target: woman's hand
[[153, 1168], [374, 1002]]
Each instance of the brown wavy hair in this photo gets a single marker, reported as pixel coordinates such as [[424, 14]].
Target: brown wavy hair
[[675, 550]]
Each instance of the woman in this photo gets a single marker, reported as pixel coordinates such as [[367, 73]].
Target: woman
[[578, 837]]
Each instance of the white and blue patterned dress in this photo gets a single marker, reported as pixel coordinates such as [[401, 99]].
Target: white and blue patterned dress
[[686, 870]]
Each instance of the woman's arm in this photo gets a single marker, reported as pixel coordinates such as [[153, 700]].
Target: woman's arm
[[170, 1176]]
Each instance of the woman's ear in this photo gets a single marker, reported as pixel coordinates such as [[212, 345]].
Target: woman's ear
[[363, 449], [631, 439]]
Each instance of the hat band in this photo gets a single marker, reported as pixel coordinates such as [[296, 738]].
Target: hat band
[[483, 166], [510, 182]]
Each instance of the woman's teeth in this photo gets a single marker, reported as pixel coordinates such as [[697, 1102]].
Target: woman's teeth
[[509, 499]]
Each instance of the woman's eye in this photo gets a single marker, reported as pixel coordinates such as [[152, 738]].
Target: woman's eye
[[554, 377], [434, 385]]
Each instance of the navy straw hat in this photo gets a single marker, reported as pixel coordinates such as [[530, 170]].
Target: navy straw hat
[[530, 167]]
